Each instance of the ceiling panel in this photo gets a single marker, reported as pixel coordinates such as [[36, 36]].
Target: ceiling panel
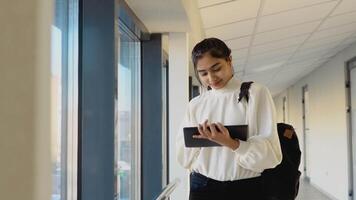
[[274, 6], [321, 48], [321, 37], [328, 40], [278, 44], [310, 53], [337, 49], [161, 16], [349, 40], [284, 33], [286, 77], [300, 65], [238, 63], [322, 61], [238, 69], [338, 20], [303, 62], [262, 78], [294, 17], [256, 62], [239, 43], [277, 52], [329, 55], [233, 11], [345, 6], [348, 28], [239, 54], [315, 55], [231, 31], [204, 3], [265, 67], [291, 70], [292, 37]]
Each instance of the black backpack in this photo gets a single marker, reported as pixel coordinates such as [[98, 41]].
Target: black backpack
[[281, 182]]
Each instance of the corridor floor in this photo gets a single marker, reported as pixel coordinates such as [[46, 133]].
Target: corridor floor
[[308, 192]]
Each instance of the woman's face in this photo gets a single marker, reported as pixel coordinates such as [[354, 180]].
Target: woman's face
[[214, 72]]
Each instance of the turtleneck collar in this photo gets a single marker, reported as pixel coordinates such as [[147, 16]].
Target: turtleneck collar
[[232, 85]]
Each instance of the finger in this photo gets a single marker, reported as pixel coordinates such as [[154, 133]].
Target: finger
[[222, 128], [205, 125], [213, 128], [206, 130], [200, 136], [201, 131]]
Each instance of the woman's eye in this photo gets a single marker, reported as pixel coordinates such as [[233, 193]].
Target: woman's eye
[[217, 69], [203, 74]]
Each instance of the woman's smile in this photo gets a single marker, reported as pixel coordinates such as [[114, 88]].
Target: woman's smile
[[215, 84]]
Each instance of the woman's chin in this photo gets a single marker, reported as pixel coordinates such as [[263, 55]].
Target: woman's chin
[[216, 87]]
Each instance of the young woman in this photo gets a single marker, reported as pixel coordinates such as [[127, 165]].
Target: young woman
[[233, 170]]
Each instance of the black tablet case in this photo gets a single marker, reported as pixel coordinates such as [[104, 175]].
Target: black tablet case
[[236, 132]]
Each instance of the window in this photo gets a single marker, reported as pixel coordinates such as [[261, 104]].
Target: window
[[64, 81], [127, 119], [56, 96]]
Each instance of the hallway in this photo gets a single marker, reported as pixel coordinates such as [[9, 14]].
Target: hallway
[[94, 94], [308, 192]]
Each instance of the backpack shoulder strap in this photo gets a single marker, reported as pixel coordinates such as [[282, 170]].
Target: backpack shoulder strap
[[244, 90]]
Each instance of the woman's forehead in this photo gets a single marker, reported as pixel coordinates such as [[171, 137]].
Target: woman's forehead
[[207, 67], [207, 62]]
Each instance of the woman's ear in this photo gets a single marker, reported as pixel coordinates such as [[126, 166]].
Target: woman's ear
[[228, 59], [230, 62]]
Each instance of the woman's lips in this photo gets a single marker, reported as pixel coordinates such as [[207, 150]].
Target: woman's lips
[[215, 83]]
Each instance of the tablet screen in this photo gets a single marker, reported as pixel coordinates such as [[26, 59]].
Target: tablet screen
[[236, 132]]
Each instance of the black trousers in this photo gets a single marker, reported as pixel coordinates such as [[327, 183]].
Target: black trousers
[[204, 188]]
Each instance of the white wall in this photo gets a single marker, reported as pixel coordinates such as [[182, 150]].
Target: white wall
[[178, 101], [279, 106], [196, 32], [25, 168], [328, 127]]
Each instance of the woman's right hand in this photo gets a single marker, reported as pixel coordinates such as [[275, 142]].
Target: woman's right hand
[[218, 133]]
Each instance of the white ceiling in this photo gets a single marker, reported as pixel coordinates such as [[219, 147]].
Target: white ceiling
[[161, 15], [277, 42]]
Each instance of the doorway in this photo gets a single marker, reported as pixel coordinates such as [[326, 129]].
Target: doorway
[[306, 132], [351, 113]]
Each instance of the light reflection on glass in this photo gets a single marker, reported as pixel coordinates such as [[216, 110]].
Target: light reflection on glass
[[126, 119]]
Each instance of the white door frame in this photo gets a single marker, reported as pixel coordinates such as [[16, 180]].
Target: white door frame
[[350, 65], [305, 130]]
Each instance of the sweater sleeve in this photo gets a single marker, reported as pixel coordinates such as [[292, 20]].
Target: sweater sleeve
[[262, 149], [185, 156]]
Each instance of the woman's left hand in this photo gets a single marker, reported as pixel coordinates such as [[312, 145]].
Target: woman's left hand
[[217, 133]]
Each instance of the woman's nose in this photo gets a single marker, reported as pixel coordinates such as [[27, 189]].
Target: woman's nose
[[211, 77]]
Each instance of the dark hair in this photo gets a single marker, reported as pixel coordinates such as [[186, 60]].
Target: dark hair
[[214, 46]]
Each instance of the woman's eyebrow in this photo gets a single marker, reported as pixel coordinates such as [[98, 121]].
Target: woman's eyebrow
[[202, 70]]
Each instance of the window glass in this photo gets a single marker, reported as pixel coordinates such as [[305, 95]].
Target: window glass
[[58, 96], [64, 99], [127, 145], [56, 106]]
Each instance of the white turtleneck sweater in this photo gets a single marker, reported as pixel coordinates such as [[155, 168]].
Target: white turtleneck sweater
[[260, 151]]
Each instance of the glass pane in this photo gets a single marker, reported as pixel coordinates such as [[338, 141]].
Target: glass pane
[[59, 60], [127, 115], [56, 88]]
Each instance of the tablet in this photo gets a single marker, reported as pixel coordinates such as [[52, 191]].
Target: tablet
[[236, 132]]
